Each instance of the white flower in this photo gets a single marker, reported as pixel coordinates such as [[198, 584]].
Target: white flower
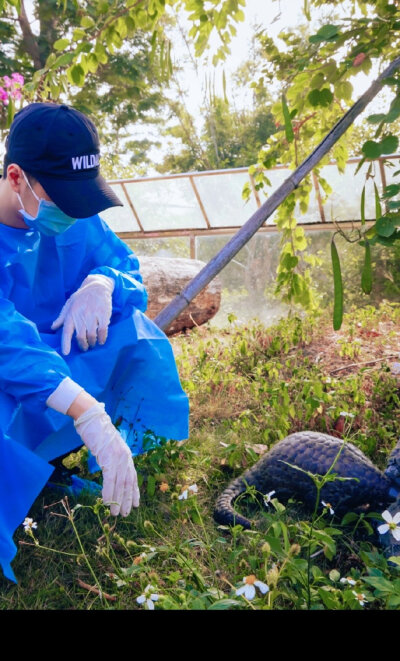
[[268, 497], [348, 580], [185, 491], [248, 588], [347, 415], [360, 597], [391, 524], [329, 506], [29, 524], [148, 597]]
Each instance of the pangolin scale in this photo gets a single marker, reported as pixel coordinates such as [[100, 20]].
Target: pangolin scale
[[314, 452]]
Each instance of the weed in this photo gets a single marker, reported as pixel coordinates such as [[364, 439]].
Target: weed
[[249, 387]]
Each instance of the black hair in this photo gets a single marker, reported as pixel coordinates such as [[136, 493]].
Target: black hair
[[6, 163]]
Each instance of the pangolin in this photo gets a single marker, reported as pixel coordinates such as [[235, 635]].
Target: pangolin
[[315, 452]]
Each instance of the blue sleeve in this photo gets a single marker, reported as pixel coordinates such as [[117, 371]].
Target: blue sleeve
[[30, 370], [113, 258]]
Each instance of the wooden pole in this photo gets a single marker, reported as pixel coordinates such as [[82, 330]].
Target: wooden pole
[[217, 263]]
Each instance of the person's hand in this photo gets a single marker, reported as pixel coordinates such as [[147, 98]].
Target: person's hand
[[88, 312], [120, 487]]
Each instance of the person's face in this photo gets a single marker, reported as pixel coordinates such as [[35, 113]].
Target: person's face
[[19, 185]]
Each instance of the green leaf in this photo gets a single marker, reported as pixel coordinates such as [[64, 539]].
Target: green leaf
[[100, 53], [61, 44], [224, 604], [371, 149], [102, 7], [393, 115], [313, 97], [87, 22], [378, 208], [385, 226], [337, 288], [78, 34], [30, 87], [288, 122], [55, 91], [83, 63], [299, 239], [389, 241], [334, 575], [328, 599], [63, 60], [92, 63], [391, 190], [366, 276], [322, 97], [381, 584], [359, 166], [326, 33], [389, 144], [121, 27], [344, 90], [376, 119], [326, 97], [349, 518], [76, 75], [317, 81], [130, 24]]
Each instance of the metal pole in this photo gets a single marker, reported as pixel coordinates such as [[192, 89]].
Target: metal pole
[[217, 263]]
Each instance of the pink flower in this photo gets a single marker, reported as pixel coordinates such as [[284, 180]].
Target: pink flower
[[7, 81], [18, 78], [16, 94], [4, 96]]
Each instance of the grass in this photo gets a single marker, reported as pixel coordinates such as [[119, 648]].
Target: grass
[[249, 387]]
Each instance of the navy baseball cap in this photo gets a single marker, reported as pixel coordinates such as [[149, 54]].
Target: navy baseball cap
[[60, 147]]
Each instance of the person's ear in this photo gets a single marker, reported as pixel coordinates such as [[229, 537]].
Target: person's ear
[[15, 177]]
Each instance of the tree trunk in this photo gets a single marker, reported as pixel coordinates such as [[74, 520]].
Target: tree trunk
[[165, 277]]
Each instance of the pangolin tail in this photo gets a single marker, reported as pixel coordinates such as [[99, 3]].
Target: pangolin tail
[[224, 512]]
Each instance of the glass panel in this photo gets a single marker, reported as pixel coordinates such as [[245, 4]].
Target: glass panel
[[312, 215], [248, 280], [120, 219], [276, 177], [170, 246], [345, 200], [166, 204], [391, 166], [221, 195]]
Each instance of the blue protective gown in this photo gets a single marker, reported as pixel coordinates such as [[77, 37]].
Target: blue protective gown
[[133, 373]]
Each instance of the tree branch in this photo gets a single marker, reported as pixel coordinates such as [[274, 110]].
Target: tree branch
[[31, 44]]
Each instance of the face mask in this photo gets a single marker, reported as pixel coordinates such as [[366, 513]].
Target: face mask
[[49, 220]]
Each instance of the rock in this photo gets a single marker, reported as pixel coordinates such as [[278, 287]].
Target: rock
[[165, 277]]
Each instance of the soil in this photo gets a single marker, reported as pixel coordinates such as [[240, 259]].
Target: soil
[[367, 347]]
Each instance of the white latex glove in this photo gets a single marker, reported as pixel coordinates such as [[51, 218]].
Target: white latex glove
[[88, 312], [114, 458]]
